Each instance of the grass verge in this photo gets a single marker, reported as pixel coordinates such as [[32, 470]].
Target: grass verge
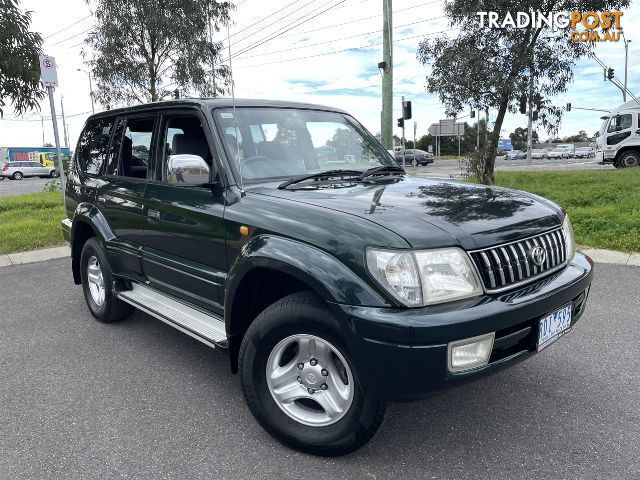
[[604, 206], [30, 221]]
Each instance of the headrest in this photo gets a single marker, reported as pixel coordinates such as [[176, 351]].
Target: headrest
[[190, 144]]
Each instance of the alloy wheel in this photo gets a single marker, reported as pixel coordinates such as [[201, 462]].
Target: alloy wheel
[[95, 280], [310, 380]]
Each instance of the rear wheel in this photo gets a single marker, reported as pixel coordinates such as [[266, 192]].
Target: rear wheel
[[97, 284], [17, 176], [299, 382], [414, 163]]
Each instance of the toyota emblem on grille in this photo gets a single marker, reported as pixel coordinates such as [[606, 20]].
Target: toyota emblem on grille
[[537, 255]]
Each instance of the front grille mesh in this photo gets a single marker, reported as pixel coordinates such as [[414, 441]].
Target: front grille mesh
[[509, 264]]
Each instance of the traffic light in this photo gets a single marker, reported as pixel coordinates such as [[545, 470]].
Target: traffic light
[[406, 110], [568, 107], [472, 114], [401, 122], [176, 93], [610, 73], [523, 104]]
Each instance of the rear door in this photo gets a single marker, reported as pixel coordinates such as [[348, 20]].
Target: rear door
[[184, 236], [121, 190]]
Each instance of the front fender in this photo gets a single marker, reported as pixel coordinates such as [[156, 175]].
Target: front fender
[[324, 273]]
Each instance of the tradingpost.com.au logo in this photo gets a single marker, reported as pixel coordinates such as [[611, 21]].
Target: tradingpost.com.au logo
[[583, 26]]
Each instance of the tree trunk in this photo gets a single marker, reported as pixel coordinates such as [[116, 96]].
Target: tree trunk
[[488, 175]]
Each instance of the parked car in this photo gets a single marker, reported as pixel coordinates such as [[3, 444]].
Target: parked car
[[558, 153], [414, 157], [515, 155], [585, 152], [538, 153], [19, 170], [333, 291]]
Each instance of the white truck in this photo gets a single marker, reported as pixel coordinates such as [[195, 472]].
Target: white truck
[[618, 141]]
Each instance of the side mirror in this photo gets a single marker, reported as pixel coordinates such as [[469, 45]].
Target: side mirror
[[187, 169]]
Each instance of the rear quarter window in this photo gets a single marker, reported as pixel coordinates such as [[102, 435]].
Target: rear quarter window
[[92, 145]]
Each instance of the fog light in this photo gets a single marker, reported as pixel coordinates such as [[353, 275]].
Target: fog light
[[470, 352]]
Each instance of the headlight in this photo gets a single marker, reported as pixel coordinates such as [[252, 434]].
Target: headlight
[[425, 277], [567, 230]]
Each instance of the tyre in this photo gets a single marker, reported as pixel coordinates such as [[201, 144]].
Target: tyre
[[17, 176], [54, 174], [97, 284], [299, 383], [628, 159]]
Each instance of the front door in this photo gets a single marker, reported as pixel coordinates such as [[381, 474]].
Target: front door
[[184, 237], [619, 132], [121, 190]]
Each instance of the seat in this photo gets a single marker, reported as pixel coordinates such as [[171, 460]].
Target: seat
[[189, 144]]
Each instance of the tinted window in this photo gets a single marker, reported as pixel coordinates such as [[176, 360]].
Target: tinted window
[[619, 122], [92, 145], [184, 136], [131, 152]]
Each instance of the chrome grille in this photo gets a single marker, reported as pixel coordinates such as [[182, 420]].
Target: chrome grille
[[510, 264]]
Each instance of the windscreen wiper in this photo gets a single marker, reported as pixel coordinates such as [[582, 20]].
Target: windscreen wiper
[[337, 174], [382, 170]]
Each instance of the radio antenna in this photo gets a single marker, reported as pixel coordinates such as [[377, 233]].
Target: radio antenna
[[235, 118]]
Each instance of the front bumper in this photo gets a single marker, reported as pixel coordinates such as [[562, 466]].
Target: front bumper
[[401, 354]]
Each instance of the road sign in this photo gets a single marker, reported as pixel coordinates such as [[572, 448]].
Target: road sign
[[48, 72], [447, 128]]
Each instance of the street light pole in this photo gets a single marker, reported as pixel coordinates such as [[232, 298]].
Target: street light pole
[[93, 110], [626, 63]]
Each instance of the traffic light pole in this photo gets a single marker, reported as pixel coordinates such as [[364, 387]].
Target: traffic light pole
[[404, 149]]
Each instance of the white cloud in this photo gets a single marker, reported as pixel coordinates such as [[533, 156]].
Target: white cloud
[[346, 79]]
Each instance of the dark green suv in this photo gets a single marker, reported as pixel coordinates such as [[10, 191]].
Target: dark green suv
[[286, 235]]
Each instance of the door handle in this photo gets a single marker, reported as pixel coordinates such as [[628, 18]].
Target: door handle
[[153, 215]]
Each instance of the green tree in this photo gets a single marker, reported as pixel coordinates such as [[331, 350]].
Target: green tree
[[143, 50], [581, 136], [19, 64], [519, 138], [488, 68]]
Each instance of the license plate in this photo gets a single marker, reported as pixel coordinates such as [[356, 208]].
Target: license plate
[[553, 326]]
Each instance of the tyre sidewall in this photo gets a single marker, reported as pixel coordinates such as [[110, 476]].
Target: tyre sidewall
[[93, 248], [350, 432]]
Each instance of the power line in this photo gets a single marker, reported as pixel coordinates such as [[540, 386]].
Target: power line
[[264, 18], [343, 50], [71, 37], [279, 20], [340, 39], [66, 28], [265, 39], [360, 19]]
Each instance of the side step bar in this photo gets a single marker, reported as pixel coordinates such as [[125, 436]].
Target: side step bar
[[209, 329]]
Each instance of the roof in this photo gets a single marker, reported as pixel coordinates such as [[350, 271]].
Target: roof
[[218, 103]]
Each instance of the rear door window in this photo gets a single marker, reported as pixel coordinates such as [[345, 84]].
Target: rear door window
[[92, 145], [131, 153]]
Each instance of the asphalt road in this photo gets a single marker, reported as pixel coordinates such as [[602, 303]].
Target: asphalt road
[[80, 399], [32, 184]]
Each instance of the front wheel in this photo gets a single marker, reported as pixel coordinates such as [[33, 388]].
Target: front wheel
[[628, 159], [299, 382]]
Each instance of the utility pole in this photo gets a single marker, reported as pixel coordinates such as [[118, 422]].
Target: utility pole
[[530, 113], [64, 123], [386, 129], [415, 128], [42, 124]]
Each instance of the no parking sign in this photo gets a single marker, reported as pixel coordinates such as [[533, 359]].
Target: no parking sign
[[48, 72]]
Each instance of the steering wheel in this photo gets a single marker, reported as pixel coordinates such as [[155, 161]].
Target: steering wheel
[[255, 159]]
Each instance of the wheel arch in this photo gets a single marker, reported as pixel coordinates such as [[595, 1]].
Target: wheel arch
[[270, 268], [87, 222]]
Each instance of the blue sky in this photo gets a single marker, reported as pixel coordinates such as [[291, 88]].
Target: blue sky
[[329, 60]]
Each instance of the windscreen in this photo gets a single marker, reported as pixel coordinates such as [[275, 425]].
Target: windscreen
[[283, 142]]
